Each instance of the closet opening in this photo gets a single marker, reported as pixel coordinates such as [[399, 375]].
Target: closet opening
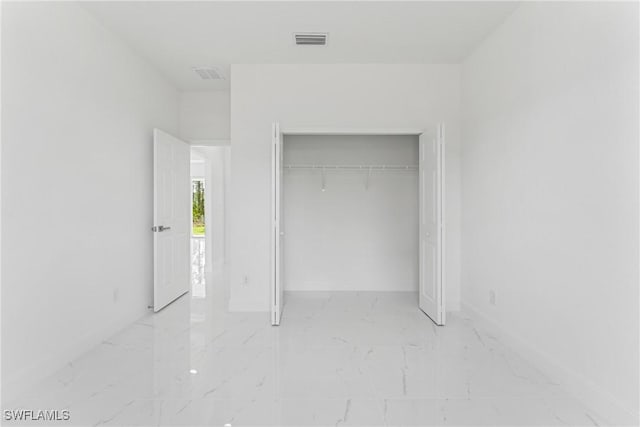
[[358, 212], [351, 213]]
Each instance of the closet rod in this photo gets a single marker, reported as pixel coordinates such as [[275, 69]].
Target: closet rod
[[354, 167]]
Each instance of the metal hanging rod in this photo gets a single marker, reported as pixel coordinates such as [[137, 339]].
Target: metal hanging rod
[[355, 167]]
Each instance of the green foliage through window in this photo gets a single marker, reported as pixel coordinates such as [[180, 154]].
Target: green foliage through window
[[197, 206]]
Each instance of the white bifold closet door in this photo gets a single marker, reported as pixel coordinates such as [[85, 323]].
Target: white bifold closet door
[[431, 258], [277, 229], [171, 218]]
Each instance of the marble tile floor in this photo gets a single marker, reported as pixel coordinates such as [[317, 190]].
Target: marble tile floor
[[338, 359]]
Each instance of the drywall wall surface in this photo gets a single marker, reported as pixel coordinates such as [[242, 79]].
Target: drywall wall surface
[[219, 173], [550, 186], [197, 166], [78, 112], [351, 230], [325, 96], [204, 115]]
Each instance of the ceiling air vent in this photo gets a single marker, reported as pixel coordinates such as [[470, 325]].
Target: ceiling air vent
[[311, 39], [209, 73]]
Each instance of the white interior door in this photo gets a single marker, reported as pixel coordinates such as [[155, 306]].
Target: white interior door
[[171, 218], [432, 225], [277, 233]]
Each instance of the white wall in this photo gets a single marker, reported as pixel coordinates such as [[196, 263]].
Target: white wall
[[204, 115], [78, 110], [550, 188], [220, 159], [338, 96], [350, 237], [197, 166]]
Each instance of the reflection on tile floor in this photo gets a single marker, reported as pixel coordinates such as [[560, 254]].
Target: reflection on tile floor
[[198, 286], [338, 359]]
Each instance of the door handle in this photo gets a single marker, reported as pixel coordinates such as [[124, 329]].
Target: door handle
[[160, 228]]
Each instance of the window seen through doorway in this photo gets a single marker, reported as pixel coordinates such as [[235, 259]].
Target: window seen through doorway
[[197, 206]]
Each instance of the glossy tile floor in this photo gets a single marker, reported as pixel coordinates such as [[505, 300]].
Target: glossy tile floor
[[370, 359]]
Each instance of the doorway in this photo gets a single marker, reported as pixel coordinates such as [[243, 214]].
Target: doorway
[[210, 167], [351, 213], [198, 226], [190, 185], [359, 211]]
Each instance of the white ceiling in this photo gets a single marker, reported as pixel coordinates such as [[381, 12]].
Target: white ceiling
[[178, 35]]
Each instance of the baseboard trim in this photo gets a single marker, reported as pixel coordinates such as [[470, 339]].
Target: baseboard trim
[[593, 396]]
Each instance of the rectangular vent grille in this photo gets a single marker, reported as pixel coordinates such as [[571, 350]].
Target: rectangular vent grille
[[311, 39], [209, 73]]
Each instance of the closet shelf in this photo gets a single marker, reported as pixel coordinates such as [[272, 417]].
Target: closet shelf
[[355, 167]]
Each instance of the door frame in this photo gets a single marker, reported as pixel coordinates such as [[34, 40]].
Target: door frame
[[351, 131], [312, 131], [277, 286]]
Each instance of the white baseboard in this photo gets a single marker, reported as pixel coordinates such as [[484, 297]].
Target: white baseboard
[[593, 396], [16, 384]]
